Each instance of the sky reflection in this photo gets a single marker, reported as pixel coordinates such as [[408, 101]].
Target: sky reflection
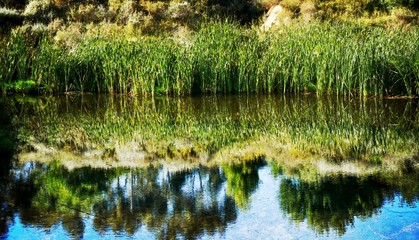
[[196, 205]]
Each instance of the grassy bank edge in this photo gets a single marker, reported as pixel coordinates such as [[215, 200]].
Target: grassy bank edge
[[221, 58]]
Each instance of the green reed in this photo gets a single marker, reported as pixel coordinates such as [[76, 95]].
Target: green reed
[[15, 61], [224, 57]]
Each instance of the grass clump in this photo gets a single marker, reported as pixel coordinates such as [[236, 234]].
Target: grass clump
[[222, 57]]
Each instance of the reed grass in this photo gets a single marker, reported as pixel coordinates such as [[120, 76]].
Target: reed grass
[[224, 57]]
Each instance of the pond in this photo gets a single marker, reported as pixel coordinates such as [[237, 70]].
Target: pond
[[244, 201], [272, 167]]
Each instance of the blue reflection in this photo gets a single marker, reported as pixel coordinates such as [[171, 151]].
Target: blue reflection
[[154, 203]]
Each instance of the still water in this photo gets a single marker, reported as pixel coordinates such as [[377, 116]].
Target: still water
[[246, 201], [176, 190]]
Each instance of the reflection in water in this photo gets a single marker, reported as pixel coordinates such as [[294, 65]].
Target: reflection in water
[[189, 203], [195, 128], [7, 139], [7, 146], [334, 202], [154, 201], [185, 203], [242, 180]]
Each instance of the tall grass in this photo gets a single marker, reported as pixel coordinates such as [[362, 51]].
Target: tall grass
[[224, 57]]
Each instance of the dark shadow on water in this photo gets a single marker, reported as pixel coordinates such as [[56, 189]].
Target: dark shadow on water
[[7, 146]]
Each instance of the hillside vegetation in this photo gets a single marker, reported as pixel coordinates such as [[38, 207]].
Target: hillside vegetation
[[68, 19], [367, 47]]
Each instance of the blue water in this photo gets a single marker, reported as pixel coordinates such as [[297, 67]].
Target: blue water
[[261, 217]]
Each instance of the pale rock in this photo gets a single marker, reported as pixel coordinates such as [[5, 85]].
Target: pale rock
[[276, 15]]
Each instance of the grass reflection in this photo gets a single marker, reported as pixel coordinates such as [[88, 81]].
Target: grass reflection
[[118, 131]]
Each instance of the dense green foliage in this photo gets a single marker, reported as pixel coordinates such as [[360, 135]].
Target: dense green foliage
[[220, 58]]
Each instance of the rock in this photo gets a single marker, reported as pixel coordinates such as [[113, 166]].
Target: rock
[[277, 15]]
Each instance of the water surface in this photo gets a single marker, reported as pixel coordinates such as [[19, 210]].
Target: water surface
[[244, 201], [114, 167]]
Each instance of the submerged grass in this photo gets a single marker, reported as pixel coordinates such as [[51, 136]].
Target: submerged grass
[[223, 57]]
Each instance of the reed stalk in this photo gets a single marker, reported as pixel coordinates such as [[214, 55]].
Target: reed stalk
[[226, 58]]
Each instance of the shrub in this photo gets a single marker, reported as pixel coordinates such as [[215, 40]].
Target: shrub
[[128, 10], [268, 4], [307, 11], [62, 3], [89, 13], [157, 9], [41, 11], [55, 25], [343, 8], [70, 35], [115, 5], [104, 29], [405, 16], [179, 10], [390, 4], [293, 5]]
